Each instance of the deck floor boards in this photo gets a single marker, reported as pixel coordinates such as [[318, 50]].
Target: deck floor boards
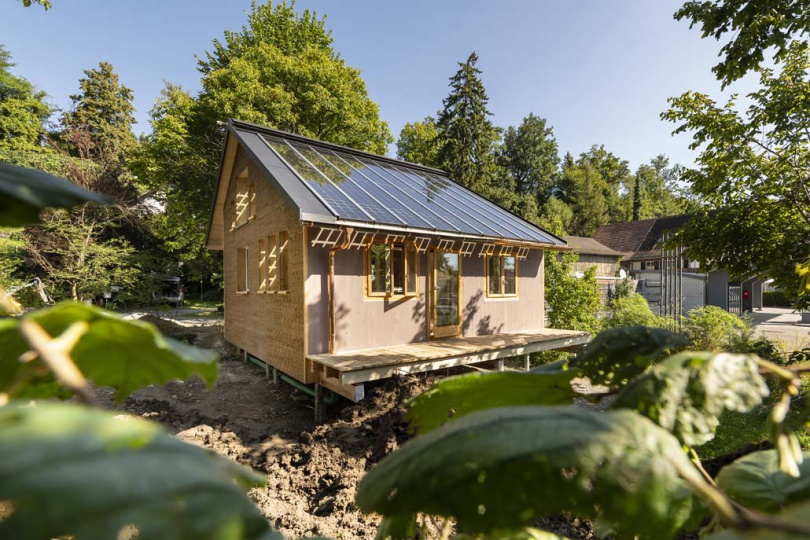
[[394, 355]]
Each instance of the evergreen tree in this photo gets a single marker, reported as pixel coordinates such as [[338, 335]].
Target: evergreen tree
[[466, 136], [588, 201], [530, 156], [23, 110], [617, 180], [637, 196], [103, 111]]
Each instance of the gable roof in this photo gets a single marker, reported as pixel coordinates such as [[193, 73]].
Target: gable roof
[[335, 185], [589, 246], [638, 240]]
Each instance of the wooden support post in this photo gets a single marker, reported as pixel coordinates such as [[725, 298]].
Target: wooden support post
[[499, 365], [244, 355], [275, 376], [528, 361], [318, 402]]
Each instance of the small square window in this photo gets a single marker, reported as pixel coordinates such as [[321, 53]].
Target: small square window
[[391, 270], [501, 276]]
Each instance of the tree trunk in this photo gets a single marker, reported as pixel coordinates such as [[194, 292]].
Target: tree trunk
[[74, 294]]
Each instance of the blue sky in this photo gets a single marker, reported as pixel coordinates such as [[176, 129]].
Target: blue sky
[[600, 71]]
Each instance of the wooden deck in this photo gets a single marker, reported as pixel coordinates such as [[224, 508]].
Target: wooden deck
[[355, 367]]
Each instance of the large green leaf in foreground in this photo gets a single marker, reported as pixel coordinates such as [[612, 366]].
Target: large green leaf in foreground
[[457, 396], [25, 192], [755, 481], [619, 354], [135, 474], [123, 354], [687, 393], [503, 468]]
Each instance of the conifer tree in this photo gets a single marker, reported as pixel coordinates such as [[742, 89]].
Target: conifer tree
[[23, 110], [637, 197], [103, 110], [466, 136]]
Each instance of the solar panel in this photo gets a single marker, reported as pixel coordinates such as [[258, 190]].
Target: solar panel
[[361, 188]]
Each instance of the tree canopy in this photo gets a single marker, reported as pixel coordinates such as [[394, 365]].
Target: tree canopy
[[23, 109]]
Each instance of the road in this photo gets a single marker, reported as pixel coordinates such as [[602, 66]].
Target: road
[[782, 326]]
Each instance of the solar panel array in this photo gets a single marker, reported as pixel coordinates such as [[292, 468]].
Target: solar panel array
[[360, 188]]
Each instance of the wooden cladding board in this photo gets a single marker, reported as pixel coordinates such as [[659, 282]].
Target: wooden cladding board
[[380, 362]]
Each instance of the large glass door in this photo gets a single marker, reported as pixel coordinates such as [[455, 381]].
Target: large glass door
[[446, 294]]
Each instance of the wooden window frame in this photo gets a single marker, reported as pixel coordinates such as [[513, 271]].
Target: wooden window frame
[[243, 257], [272, 264], [242, 199], [502, 294], [406, 271], [262, 265]]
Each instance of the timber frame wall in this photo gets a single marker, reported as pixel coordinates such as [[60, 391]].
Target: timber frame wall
[[269, 326]]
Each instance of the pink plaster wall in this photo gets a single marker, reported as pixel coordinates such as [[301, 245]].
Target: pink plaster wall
[[365, 322]]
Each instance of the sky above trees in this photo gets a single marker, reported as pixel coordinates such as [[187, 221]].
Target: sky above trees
[[599, 72]]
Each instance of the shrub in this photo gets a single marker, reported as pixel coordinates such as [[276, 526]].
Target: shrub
[[631, 310], [711, 328]]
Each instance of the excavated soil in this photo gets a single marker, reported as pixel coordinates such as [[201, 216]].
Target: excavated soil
[[312, 470]]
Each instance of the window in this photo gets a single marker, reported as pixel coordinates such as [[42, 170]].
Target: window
[[391, 270], [501, 276], [283, 248], [242, 198], [262, 266], [272, 263], [242, 270]]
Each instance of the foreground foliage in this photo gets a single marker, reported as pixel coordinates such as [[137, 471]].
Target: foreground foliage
[[79, 472], [496, 452]]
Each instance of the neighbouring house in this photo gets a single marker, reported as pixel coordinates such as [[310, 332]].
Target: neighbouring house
[[667, 277], [342, 267], [595, 254]]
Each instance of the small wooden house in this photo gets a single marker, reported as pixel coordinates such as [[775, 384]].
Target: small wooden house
[[342, 267]]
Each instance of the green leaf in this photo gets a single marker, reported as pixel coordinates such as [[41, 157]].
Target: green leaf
[[619, 354], [504, 468], [687, 393], [134, 474], [755, 481], [25, 192], [397, 528], [528, 533], [795, 515], [123, 354], [456, 396]]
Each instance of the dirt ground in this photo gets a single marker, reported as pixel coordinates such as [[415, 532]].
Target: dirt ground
[[312, 470]]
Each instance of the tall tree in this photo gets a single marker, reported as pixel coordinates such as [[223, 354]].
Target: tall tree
[[530, 155], [753, 171], [587, 196], [23, 110], [280, 70], [418, 142], [754, 26], [104, 112], [617, 181], [467, 137], [656, 191]]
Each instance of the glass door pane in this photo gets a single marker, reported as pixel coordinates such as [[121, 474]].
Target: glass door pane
[[447, 293]]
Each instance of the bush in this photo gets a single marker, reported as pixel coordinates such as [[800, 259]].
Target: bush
[[631, 310], [711, 328]]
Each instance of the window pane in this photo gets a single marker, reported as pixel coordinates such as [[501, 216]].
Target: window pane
[[509, 276], [242, 269], [283, 248], [494, 281], [411, 270], [272, 264], [379, 270], [447, 295], [398, 271]]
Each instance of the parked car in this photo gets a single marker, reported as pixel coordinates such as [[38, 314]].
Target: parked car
[[171, 292]]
